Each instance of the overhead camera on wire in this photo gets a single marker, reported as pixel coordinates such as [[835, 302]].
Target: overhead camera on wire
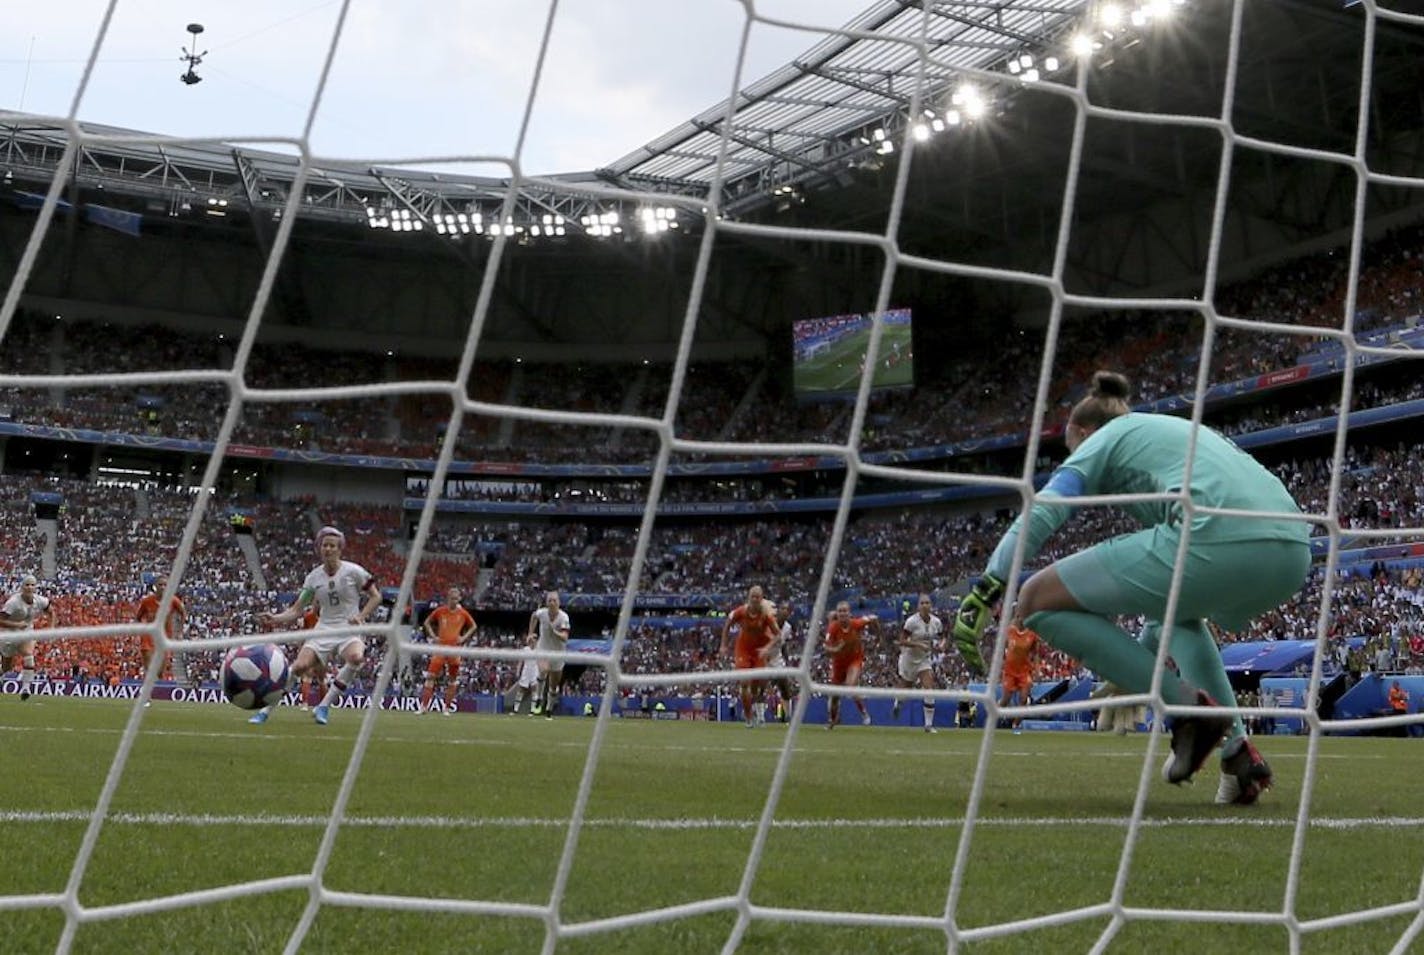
[[192, 57]]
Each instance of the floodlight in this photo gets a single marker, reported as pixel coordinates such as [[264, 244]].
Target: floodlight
[[1026, 60], [878, 135], [921, 132], [1110, 14], [886, 148], [1138, 17], [973, 101], [1081, 45], [937, 125], [1031, 76], [1051, 64], [1014, 66]]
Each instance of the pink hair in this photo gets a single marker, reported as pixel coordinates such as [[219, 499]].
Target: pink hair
[[326, 532]]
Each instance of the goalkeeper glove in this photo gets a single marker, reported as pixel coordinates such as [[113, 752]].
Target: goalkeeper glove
[[974, 616]]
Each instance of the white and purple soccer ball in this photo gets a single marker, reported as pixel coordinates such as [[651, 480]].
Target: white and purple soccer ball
[[255, 676]]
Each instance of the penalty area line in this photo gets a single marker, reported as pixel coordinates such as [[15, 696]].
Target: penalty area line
[[690, 824]]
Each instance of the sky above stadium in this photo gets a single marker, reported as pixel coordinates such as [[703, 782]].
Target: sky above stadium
[[411, 78]]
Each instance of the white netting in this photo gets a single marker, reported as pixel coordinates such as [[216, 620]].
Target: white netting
[[1114, 908]]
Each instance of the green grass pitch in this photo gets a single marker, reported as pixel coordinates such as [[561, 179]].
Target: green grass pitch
[[838, 367], [477, 808]]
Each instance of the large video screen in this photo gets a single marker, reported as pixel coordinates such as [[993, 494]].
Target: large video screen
[[828, 354]]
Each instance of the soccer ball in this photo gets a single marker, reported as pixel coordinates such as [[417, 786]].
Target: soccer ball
[[255, 676]]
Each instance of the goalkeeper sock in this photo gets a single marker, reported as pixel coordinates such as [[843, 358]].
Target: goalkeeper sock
[[1199, 662], [27, 673], [338, 686], [1108, 651]]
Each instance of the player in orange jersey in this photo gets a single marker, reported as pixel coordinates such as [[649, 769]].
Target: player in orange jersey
[[1021, 651], [758, 630], [147, 612], [846, 647], [449, 625]]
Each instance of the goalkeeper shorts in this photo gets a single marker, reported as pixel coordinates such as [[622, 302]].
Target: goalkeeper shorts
[[1228, 582]]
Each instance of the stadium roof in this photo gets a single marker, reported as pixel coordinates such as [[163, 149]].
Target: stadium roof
[[797, 124], [800, 122]]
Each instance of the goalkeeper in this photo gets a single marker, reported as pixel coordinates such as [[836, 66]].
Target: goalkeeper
[[1233, 569]]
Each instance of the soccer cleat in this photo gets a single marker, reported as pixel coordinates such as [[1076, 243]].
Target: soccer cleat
[[931, 729], [865, 719], [1193, 739], [447, 712], [259, 717], [321, 714], [24, 695], [548, 714], [1018, 730], [536, 709], [1244, 776]]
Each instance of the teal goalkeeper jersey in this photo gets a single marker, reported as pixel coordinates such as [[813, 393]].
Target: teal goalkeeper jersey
[[1146, 454]]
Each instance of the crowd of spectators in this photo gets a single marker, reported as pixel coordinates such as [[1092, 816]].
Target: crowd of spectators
[[112, 539], [960, 397]]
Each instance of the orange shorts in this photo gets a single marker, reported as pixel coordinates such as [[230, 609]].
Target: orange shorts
[[748, 656], [1017, 682], [450, 666], [841, 666], [145, 643]]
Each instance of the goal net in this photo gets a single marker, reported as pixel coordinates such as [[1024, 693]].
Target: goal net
[[946, 867]]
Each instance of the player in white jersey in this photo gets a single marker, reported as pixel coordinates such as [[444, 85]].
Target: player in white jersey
[[919, 635], [19, 614], [336, 587], [776, 657], [527, 681], [550, 627]]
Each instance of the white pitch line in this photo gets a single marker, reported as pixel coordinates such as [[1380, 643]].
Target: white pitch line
[[692, 824]]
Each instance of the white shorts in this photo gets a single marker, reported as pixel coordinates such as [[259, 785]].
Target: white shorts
[[553, 646], [13, 647], [324, 647], [913, 663], [777, 659], [529, 673]]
